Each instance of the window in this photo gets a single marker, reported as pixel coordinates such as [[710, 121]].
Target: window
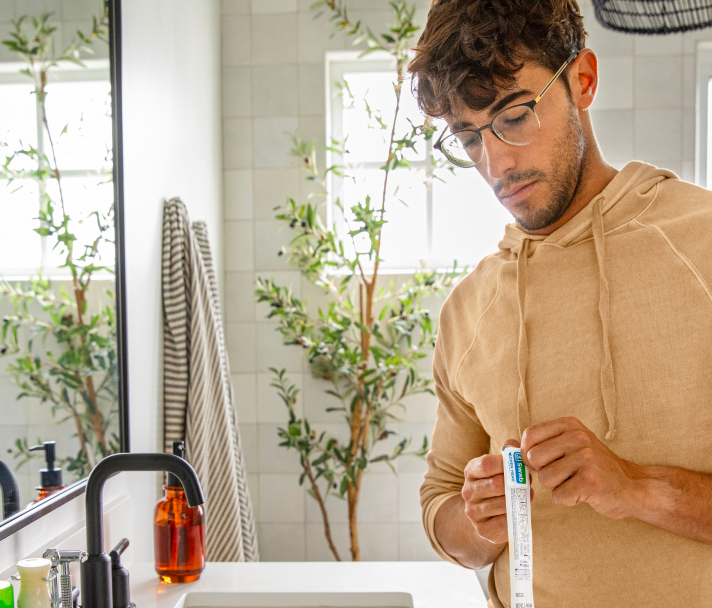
[[433, 215], [80, 99]]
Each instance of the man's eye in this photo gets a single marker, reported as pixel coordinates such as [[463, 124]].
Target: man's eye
[[511, 122]]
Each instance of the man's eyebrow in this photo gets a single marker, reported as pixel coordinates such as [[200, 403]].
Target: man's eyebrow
[[505, 101]]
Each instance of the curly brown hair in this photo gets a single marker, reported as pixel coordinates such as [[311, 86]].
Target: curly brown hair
[[472, 48]]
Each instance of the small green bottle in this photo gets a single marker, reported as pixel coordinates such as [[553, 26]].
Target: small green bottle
[[7, 595]]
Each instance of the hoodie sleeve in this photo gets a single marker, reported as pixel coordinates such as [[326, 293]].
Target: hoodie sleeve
[[458, 436]]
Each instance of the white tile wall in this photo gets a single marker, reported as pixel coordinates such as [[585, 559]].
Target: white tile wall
[[273, 84]]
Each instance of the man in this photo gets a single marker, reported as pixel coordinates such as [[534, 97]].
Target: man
[[587, 336]]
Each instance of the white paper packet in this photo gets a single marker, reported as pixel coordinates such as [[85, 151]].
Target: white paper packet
[[519, 526]]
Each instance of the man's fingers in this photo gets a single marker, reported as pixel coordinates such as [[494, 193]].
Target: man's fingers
[[557, 447], [510, 443], [493, 529], [484, 466], [474, 491], [484, 509], [546, 430]]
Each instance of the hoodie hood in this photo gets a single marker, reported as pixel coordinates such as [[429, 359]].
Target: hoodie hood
[[617, 204]]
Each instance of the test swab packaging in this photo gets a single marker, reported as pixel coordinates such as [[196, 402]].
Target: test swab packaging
[[519, 526]]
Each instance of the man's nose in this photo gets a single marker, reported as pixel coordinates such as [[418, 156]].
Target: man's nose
[[499, 155]]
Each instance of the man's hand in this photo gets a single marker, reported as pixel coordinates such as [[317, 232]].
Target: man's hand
[[572, 462], [483, 492]]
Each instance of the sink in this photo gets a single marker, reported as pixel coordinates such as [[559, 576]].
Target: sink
[[295, 600]]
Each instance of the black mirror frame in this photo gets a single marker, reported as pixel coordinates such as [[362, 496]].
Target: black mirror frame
[[27, 516]]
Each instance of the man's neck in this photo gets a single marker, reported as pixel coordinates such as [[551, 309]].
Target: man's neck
[[597, 176]]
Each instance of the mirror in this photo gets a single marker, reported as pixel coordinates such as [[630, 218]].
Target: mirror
[[61, 388]]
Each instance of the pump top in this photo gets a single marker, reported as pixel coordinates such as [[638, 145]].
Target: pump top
[[51, 476], [178, 450]]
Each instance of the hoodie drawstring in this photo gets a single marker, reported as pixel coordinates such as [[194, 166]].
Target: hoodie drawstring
[[523, 414], [608, 387]]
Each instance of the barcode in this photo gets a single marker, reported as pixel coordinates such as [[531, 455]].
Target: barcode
[[523, 605]]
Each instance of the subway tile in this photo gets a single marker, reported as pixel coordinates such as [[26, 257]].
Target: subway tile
[[272, 352], [7, 10], [312, 89], [274, 458], [12, 411], [248, 437], [274, 39], [263, 7], [604, 42], [379, 498], [270, 237], [235, 7], [318, 547], [239, 297], [238, 246], [615, 89], [315, 38], [419, 408], [288, 279], [658, 134], [281, 542], [281, 499], [237, 143], [658, 45], [413, 544], [658, 81], [337, 508], [236, 92], [238, 194], [614, 132], [416, 431], [409, 496], [275, 90], [272, 141], [272, 188], [316, 400], [688, 171], [244, 387], [241, 347], [690, 40], [35, 7], [378, 541], [689, 133], [253, 487], [270, 407], [236, 40], [689, 82], [78, 10]]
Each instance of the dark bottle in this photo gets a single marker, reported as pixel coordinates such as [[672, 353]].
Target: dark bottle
[[178, 532], [51, 477]]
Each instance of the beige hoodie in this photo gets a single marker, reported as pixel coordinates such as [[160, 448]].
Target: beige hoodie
[[607, 319]]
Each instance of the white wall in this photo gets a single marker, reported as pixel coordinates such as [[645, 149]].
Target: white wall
[[273, 81], [172, 139]]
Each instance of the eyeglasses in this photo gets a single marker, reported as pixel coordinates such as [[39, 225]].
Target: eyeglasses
[[517, 125]]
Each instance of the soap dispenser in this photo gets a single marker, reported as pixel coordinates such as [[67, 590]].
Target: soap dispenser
[[51, 477], [178, 532]]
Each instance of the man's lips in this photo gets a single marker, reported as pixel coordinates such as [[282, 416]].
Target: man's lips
[[518, 194]]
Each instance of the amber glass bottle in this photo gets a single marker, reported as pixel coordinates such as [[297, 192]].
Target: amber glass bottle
[[178, 533]]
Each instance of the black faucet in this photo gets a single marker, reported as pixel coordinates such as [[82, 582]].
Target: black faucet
[[10, 492], [96, 570]]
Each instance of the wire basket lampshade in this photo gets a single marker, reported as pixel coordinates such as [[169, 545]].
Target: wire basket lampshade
[[653, 16]]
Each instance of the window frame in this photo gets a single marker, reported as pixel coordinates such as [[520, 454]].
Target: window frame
[[95, 70], [337, 64]]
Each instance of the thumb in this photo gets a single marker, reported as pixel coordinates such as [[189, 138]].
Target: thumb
[[511, 443]]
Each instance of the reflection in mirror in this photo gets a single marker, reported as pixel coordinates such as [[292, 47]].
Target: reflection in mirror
[[58, 350]]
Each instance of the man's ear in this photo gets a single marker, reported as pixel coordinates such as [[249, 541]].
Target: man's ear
[[583, 79]]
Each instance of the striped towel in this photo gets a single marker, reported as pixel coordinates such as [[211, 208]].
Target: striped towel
[[197, 389]]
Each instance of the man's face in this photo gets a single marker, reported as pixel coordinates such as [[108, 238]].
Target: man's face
[[536, 183]]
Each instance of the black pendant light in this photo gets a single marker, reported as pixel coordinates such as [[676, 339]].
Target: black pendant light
[[653, 16]]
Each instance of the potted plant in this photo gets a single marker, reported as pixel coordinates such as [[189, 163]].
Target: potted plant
[[366, 343]]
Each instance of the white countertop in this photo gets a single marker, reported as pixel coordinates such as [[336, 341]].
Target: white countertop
[[432, 584]]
